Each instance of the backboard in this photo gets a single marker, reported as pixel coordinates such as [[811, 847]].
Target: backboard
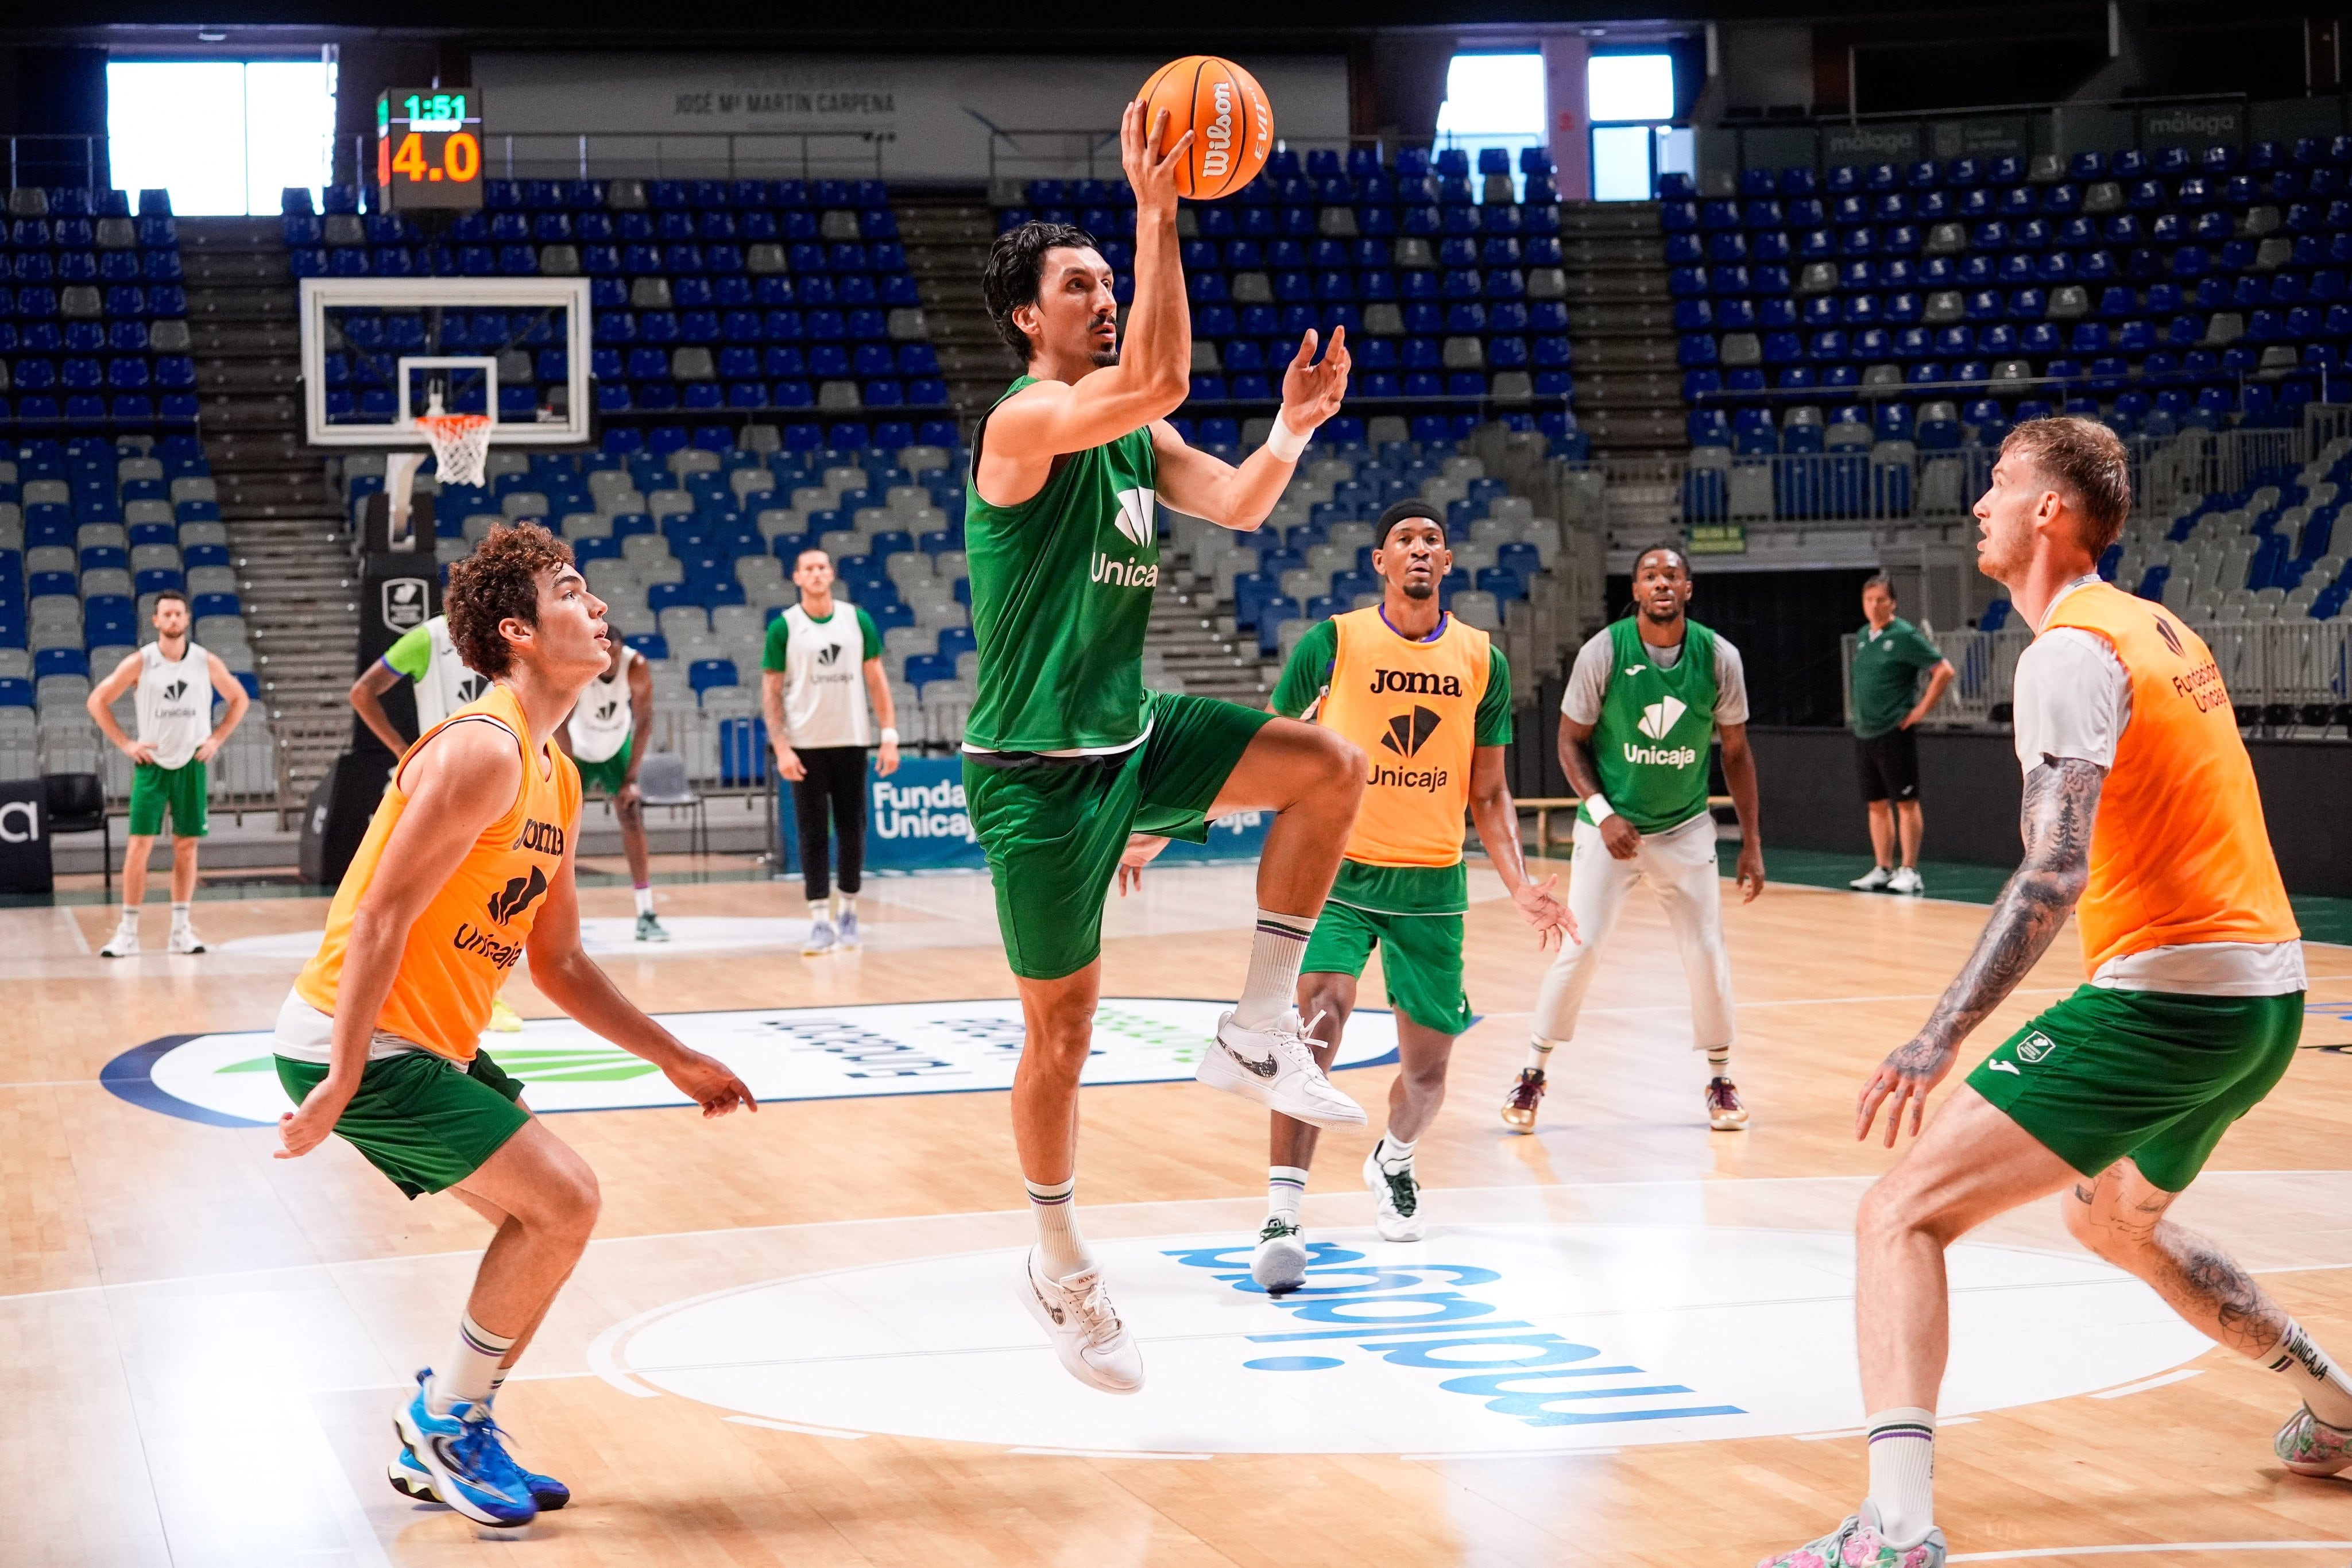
[[373, 348]]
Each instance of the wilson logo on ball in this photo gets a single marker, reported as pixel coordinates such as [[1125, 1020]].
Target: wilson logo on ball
[[1225, 110]]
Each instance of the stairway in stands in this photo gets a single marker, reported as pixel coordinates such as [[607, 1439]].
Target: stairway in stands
[[1620, 323], [294, 568], [947, 239]]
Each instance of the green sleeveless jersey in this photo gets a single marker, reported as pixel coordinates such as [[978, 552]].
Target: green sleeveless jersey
[[1656, 725], [1061, 596]]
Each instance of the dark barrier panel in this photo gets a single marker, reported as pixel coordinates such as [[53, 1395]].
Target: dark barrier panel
[[1969, 787]]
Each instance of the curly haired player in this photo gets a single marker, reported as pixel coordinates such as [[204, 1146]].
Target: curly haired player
[[467, 868]]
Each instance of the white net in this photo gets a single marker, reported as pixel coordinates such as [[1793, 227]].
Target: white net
[[460, 442]]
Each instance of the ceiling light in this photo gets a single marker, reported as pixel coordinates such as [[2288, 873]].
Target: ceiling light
[[210, 38]]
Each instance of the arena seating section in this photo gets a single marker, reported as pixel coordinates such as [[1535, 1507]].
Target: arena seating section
[[1449, 287], [1930, 307], [90, 531], [93, 319], [708, 294]]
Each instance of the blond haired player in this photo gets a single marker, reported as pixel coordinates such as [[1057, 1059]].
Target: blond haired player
[[2141, 818], [466, 867], [1427, 699]]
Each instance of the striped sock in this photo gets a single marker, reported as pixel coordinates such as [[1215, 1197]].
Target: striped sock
[[464, 1377], [1540, 1052], [2318, 1381], [1061, 1251], [1719, 1060], [1271, 988], [1903, 1472], [1286, 1189]]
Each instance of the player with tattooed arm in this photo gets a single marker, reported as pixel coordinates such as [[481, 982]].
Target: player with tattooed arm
[[2141, 819]]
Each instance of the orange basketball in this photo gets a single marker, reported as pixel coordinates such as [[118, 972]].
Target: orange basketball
[[1225, 110]]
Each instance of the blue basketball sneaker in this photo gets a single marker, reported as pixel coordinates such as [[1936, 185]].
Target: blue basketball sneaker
[[463, 1459], [410, 1479]]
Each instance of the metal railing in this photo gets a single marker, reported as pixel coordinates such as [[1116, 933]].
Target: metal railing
[[1896, 484], [2284, 676]]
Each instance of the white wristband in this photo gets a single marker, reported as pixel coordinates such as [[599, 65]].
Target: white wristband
[[1285, 443], [1598, 805], [889, 736]]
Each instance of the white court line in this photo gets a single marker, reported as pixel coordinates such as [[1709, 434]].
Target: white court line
[[1512, 1453], [804, 1430], [2151, 1546], [1104, 1210], [1105, 1454], [2144, 1384]]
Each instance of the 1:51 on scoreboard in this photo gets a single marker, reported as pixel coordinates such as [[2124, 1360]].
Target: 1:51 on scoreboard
[[429, 147]]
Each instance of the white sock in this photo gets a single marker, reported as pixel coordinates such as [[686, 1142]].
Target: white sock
[[1285, 1187], [466, 1373], [178, 913], [1276, 952], [848, 906], [131, 914], [1393, 1152], [1061, 1251], [1903, 1472], [1719, 1060], [2319, 1380], [1540, 1052], [644, 901], [496, 1384], [820, 912]]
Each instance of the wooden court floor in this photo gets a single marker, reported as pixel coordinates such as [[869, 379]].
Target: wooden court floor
[[200, 1346]]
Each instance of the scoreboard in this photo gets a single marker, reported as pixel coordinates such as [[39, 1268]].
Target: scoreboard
[[428, 148]]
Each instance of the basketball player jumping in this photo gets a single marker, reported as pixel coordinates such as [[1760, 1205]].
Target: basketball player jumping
[[1428, 700], [467, 866], [2141, 818], [1065, 751], [1645, 700]]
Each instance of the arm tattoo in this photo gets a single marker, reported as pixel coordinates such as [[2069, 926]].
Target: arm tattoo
[[2061, 803]]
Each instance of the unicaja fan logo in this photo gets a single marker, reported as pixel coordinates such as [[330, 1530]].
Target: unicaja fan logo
[[1658, 719], [1138, 518], [518, 895], [829, 654], [470, 689], [175, 690]]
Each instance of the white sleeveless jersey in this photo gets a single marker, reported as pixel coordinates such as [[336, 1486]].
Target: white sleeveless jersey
[[446, 685], [175, 701], [601, 722], [825, 679]]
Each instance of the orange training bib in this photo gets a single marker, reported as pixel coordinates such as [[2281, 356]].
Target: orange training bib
[[2179, 853], [1414, 709], [461, 946]]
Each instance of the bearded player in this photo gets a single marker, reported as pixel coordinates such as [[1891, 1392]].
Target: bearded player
[[1065, 752], [1646, 699], [466, 867], [2142, 820]]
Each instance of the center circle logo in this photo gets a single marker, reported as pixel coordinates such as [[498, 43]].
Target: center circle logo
[[1485, 1338]]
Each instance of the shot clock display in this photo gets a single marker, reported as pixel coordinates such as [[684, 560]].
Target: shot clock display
[[428, 148]]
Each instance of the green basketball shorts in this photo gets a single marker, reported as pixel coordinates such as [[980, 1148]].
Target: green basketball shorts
[[608, 775], [1421, 960], [1053, 831], [176, 792], [424, 1121], [2150, 1076]]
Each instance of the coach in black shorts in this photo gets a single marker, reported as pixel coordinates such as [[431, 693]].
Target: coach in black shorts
[[1889, 653]]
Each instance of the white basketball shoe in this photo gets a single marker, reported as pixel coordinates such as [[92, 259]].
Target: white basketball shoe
[[1396, 1199], [124, 943], [1276, 1067], [1279, 1264], [1087, 1334]]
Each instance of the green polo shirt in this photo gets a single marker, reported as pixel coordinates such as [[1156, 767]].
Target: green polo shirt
[[1886, 666]]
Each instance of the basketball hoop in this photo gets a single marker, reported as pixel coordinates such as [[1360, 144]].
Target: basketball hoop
[[460, 442]]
